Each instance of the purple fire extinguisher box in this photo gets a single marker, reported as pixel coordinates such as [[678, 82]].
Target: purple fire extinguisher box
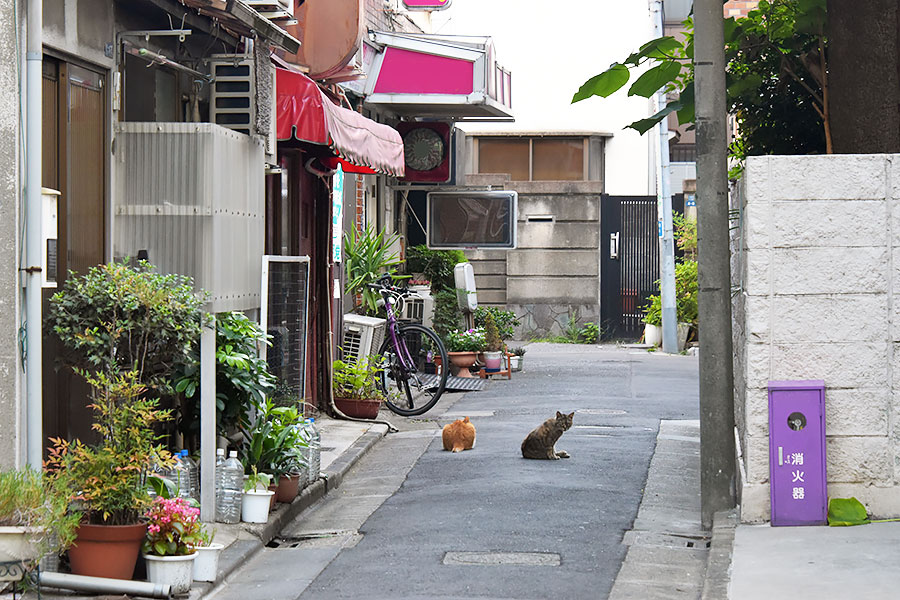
[[797, 452]]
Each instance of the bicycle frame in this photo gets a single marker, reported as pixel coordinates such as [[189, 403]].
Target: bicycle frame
[[397, 341]]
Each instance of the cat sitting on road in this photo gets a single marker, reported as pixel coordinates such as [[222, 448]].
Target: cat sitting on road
[[458, 435], [539, 443]]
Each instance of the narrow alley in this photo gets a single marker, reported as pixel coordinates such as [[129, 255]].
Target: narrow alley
[[412, 521]]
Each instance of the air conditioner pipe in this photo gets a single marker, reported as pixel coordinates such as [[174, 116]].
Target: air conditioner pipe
[[103, 585]]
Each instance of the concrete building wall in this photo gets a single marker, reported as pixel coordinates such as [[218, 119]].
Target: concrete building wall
[[11, 407], [553, 273], [817, 260]]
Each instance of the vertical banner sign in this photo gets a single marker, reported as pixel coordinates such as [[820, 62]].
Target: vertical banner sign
[[337, 210]]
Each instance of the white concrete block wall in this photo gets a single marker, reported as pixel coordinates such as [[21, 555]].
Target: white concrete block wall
[[817, 258]]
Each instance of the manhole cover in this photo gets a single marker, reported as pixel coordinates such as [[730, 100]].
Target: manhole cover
[[601, 411], [533, 559]]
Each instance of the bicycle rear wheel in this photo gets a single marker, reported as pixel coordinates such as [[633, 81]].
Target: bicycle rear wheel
[[413, 388]]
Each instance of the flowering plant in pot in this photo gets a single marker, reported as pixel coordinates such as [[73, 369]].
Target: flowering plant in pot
[[463, 348], [173, 532], [108, 480], [34, 519], [356, 389]]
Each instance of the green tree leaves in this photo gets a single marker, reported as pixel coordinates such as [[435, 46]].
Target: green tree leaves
[[604, 84]]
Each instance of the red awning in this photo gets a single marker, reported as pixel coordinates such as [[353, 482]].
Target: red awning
[[359, 144]]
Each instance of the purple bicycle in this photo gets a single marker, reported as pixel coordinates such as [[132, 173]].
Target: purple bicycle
[[413, 362]]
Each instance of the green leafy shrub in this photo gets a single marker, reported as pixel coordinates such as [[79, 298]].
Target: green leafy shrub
[[122, 318], [437, 265], [686, 288], [242, 377], [447, 315], [589, 333], [506, 320], [173, 528]]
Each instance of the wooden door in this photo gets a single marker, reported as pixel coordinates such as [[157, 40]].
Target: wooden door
[[74, 162]]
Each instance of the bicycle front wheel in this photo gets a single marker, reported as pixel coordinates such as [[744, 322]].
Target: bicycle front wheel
[[413, 370]]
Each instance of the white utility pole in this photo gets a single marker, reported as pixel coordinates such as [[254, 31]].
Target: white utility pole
[[664, 211], [33, 244]]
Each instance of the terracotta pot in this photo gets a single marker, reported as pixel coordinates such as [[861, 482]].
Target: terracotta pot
[[358, 408], [463, 360], [288, 488], [107, 550]]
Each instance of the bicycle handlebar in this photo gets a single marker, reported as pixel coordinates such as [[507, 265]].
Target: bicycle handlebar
[[384, 285]]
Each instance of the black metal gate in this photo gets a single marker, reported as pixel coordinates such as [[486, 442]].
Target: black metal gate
[[629, 261]]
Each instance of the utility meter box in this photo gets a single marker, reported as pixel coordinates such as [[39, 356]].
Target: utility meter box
[[464, 279], [797, 453], [49, 235]]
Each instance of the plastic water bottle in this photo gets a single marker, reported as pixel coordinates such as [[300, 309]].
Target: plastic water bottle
[[232, 486], [181, 476], [193, 470], [220, 462], [314, 450]]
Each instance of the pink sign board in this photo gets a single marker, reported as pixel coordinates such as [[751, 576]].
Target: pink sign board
[[426, 4], [409, 72]]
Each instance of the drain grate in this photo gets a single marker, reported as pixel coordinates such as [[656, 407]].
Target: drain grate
[[530, 559], [318, 538], [666, 540]]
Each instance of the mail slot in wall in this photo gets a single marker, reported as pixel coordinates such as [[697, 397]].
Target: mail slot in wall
[[797, 452]]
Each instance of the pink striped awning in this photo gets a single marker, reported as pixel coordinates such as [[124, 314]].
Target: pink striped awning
[[360, 145]]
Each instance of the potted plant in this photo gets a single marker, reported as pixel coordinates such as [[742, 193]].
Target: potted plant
[[505, 320], [274, 444], [653, 321], [206, 565], [517, 359], [367, 255], [355, 388], [463, 348], [255, 501], [173, 532], [109, 479], [686, 288], [493, 346], [34, 520]]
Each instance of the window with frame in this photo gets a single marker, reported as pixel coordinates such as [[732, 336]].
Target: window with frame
[[534, 158]]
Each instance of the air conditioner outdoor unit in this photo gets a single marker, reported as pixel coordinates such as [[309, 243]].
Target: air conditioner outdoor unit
[[362, 336], [418, 308]]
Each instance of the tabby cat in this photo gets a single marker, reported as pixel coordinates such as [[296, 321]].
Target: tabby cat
[[458, 435], [539, 443]]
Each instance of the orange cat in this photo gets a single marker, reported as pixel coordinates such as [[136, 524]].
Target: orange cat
[[458, 435]]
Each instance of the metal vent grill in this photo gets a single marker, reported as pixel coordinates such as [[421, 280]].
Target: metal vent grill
[[232, 101], [352, 341]]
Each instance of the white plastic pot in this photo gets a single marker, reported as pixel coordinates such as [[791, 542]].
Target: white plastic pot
[[177, 571], [206, 565], [652, 334], [17, 544], [255, 506]]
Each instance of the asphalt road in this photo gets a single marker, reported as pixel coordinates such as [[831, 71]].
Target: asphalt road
[[413, 521]]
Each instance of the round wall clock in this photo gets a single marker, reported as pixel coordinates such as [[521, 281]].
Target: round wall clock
[[423, 149]]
